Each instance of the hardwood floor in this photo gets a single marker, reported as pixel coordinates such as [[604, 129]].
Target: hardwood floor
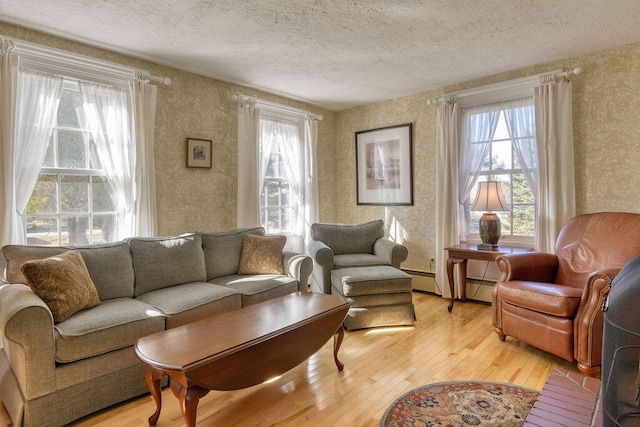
[[380, 364]]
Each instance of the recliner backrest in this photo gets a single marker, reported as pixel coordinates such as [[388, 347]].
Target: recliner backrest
[[596, 242]]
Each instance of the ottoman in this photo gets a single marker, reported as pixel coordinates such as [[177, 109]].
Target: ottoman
[[379, 296]]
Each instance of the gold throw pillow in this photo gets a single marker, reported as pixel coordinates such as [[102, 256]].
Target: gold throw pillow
[[261, 254], [63, 283]]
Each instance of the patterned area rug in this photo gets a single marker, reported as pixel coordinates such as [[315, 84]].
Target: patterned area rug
[[461, 404]]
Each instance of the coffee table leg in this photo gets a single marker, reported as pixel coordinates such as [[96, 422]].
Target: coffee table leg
[[188, 398], [337, 342], [153, 382]]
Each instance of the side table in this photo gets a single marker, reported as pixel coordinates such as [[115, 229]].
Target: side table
[[460, 254]]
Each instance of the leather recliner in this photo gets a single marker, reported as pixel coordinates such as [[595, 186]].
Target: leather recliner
[[554, 301]]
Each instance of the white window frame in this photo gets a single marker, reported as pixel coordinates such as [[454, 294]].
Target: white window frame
[[276, 115], [486, 98]]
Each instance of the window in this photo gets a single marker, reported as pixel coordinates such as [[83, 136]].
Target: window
[[505, 140], [280, 151], [71, 203]]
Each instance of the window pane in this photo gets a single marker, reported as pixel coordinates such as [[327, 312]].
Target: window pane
[[74, 193], [42, 231], [521, 191], [273, 193], [94, 159], [524, 220], [75, 230], [105, 228], [102, 199], [71, 149], [501, 155], [44, 198], [285, 194], [69, 101], [272, 166]]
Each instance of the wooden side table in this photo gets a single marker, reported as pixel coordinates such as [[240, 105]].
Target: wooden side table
[[460, 254]]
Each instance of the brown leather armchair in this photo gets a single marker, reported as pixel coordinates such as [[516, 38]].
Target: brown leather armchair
[[554, 301]]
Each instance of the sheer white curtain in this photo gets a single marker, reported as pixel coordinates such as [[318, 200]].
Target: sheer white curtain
[[108, 120], [554, 134], [146, 216], [248, 210], [479, 126], [8, 82], [37, 100], [519, 117], [446, 188], [311, 208]]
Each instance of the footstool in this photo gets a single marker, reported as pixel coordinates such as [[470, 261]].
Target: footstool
[[379, 296]]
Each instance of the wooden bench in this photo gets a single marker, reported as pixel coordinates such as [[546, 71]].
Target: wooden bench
[[567, 399]]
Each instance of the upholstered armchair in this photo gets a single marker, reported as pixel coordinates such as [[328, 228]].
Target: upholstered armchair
[[554, 301], [343, 246]]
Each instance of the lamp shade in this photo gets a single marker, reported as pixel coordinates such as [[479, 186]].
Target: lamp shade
[[489, 197]]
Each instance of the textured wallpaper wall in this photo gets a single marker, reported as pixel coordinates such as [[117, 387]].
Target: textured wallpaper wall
[[193, 106], [606, 107]]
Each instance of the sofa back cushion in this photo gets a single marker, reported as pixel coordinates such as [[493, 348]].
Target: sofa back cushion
[[160, 262], [349, 239], [109, 265], [222, 251]]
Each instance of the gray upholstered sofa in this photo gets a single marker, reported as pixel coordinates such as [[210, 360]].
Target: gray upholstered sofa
[[52, 373]]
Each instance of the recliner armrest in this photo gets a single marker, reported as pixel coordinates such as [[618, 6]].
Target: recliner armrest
[[529, 266], [391, 251]]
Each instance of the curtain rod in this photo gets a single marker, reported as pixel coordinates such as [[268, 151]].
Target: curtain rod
[[283, 108], [544, 78], [62, 60]]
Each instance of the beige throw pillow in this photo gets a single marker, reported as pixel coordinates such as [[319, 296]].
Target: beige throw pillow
[[63, 283], [261, 254]]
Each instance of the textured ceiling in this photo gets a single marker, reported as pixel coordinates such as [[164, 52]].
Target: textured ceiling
[[338, 53]]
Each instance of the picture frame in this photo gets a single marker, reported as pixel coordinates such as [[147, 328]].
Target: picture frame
[[384, 166], [198, 153]]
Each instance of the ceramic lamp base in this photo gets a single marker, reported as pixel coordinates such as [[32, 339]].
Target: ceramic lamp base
[[489, 228]]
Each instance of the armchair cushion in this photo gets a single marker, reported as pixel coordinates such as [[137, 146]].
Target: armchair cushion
[[549, 298], [357, 260], [348, 239]]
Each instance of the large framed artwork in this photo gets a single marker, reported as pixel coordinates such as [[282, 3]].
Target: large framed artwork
[[198, 153], [384, 166]]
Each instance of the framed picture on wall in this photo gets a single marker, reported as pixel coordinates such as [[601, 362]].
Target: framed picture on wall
[[198, 153], [384, 166]]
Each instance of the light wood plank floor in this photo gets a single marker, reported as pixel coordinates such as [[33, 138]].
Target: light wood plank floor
[[380, 364]]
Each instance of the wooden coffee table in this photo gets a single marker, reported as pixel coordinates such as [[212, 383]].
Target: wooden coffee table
[[240, 348]]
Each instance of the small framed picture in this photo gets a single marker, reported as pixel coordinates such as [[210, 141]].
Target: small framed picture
[[198, 153], [384, 166]]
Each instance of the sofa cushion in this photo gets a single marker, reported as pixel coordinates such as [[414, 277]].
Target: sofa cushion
[[222, 251], [261, 254], [349, 239], [109, 265], [114, 324], [160, 262], [260, 287], [192, 301], [63, 283]]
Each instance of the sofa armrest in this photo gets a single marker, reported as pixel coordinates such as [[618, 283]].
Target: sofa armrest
[[589, 320], [28, 339], [391, 251], [529, 266], [322, 257], [298, 266]]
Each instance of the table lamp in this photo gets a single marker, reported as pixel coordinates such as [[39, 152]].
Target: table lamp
[[489, 198]]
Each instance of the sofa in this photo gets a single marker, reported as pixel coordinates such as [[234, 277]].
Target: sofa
[[56, 369]]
